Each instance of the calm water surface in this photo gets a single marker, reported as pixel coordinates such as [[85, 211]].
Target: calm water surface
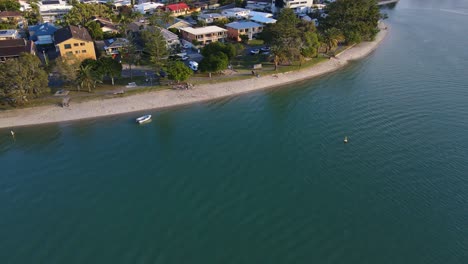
[[264, 177]]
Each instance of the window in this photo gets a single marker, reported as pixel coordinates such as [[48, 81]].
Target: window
[[69, 53], [83, 51], [67, 46], [75, 44], [77, 52], [82, 44]]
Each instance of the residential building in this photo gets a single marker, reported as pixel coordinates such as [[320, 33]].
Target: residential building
[[204, 5], [42, 34], [13, 18], [74, 42], [178, 9], [178, 24], [210, 18], [9, 34], [204, 35], [259, 5], [112, 46], [237, 12], [12, 48], [239, 28], [262, 17], [298, 6], [52, 10], [172, 40], [148, 7], [106, 25]]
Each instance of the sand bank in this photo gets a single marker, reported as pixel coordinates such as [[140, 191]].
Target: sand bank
[[168, 98]]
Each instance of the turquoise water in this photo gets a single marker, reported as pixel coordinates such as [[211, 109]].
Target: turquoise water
[[263, 177]]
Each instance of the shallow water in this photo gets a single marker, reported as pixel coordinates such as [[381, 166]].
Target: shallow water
[[263, 177]]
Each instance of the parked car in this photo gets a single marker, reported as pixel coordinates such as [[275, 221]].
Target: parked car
[[265, 49], [193, 65], [185, 57], [186, 46], [254, 51]]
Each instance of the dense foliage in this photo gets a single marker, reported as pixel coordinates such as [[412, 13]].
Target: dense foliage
[[356, 19], [9, 5], [290, 38], [22, 78], [216, 56], [81, 14], [155, 46], [178, 71]]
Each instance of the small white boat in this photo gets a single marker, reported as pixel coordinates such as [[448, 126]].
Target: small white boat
[[143, 119], [345, 140]]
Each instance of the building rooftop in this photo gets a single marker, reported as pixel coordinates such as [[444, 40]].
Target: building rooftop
[[203, 30], [263, 20], [168, 35], [8, 33], [71, 32], [236, 9], [211, 15], [177, 7], [243, 25], [13, 47], [43, 29], [10, 14]]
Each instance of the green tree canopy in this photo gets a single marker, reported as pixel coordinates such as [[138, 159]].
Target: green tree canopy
[[9, 5], [215, 47], [110, 67], [178, 71], [94, 29], [214, 62], [356, 19], [81, 14], [22, 78], [156, 46]]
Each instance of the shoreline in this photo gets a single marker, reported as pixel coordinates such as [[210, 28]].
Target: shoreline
[[169, 98]]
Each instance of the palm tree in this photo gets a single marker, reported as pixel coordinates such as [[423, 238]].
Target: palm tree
[[87, 77], [331, 38]]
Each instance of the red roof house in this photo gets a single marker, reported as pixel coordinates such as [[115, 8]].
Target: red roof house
[[178, 9]]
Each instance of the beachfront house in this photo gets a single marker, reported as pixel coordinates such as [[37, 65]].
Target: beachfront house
[[172, 40], [204, 35], [13, 18], [74, 43], [42, 34], [112, 46], [237, 13], [12, 48], [239, 28]]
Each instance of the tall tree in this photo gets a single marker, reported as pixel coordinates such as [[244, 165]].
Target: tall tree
[[356, 19], [129, 52], [67, 70], [110, 67], [178, 71], [331, 37], [81, 14], [88, 77], [214, 63], [161, 18], [22, 78], [156, 46]]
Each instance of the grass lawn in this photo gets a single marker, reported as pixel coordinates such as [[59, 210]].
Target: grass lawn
[[255, 42]]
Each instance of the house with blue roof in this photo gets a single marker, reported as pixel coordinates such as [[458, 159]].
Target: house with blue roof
[[42, 34], [239, 28]]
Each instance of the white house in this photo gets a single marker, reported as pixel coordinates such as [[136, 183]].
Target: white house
[[262, 17], [52, 10], [298, 6], [148, 7], [239, 13]]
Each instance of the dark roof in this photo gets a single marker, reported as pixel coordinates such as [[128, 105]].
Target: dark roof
[[105, 23], [10, 14], [13, 47], [51, 2], [71, 32]]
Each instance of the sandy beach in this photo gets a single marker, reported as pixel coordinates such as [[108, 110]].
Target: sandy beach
[[168, 98]]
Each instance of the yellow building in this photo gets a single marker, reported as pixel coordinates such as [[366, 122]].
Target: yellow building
[[74, 43]]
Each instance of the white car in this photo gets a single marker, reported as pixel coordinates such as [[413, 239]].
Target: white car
[[254, 51], [193, 65]]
